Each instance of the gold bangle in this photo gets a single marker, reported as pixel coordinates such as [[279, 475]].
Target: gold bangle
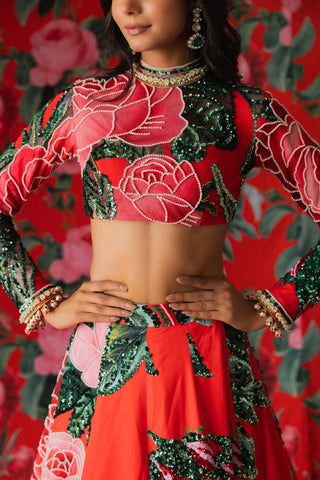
[[44, 303]]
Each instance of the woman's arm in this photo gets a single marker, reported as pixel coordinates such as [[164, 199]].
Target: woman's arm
[[46, 143], [287, 151], [283, 148], [41, 147]]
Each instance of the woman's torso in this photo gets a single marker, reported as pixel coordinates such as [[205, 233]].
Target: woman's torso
[[161, 178], [148, 257]]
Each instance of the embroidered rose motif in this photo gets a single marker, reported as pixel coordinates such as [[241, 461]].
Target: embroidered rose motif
[[202, 454], [161, 189], [287, 151], [86, 351], [143, 116], [61, 457]]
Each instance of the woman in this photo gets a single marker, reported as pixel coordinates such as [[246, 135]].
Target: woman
[[159, 380]]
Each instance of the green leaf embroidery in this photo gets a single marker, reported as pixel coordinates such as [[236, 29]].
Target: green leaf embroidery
[[126, 349], [199, 367]]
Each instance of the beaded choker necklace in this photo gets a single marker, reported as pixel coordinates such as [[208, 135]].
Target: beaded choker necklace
[[170, 77]]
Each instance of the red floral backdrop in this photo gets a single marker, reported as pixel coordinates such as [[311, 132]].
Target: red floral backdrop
[[44, 44]]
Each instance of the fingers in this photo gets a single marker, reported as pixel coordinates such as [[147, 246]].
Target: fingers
[[104, 286], [195, 296], [92, 302]]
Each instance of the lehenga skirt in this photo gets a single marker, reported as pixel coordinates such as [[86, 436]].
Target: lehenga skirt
[[160, 396]]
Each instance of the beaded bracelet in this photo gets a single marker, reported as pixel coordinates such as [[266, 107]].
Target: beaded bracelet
[[45, 302], [274, 319]]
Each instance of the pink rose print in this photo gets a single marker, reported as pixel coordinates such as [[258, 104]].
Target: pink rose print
[[295, 336], [53, 344], [77, 254], [286, 150], [20, 463], [288, 8], [161, 189], [87, 349], [143, 116], [61, 457], [291, 438], [59, 46]]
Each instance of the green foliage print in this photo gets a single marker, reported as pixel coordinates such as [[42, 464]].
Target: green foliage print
[[203, 455], [247, 391], [283, 69], [126, 348]]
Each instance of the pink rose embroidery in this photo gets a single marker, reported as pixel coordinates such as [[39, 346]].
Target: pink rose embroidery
[[143, 116], [77, 246], [61, 457], [59, 46], [202, 454], [287, 151], [87, 349], [161, 189]]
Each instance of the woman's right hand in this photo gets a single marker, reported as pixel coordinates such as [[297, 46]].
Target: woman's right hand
[[92, 302]]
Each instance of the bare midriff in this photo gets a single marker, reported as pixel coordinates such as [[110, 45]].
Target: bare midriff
[[148, 257]]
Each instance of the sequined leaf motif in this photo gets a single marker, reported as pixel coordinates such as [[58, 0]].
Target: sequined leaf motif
[[82, 413], [125, 350], [199, 367], [205, 203], [306, 279], [7, 157], [15, 262], [76, 396], [199, 455], [227, 201], [98, 198], [117, 149], [210, 109], [247, 391], [188, 147]]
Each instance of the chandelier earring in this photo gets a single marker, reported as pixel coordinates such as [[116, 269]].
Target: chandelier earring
[[196, 40]]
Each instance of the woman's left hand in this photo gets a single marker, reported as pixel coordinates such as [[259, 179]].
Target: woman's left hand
[[218, 299]]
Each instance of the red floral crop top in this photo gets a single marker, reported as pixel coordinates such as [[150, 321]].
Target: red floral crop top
[[175, 155]]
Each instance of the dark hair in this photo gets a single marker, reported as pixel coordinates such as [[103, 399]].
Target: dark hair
[[220, 52]]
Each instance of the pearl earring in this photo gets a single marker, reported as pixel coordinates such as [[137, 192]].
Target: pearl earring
[[196, 40]]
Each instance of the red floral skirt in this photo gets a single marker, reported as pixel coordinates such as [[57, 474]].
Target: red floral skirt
[[158, 396]]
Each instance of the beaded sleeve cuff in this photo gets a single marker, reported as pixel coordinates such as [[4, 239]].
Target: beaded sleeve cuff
[[275, 320]]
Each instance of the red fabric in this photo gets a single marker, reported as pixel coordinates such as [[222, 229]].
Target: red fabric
[[253, 260]]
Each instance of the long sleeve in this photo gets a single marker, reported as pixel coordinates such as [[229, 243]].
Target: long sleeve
[[42, 146], [283, 148]]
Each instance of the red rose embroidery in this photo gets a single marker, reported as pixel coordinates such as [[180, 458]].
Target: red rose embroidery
[[143, 116], [286, 150], [162, 190]]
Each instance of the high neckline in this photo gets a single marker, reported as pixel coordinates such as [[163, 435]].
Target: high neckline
[[170, 77]]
